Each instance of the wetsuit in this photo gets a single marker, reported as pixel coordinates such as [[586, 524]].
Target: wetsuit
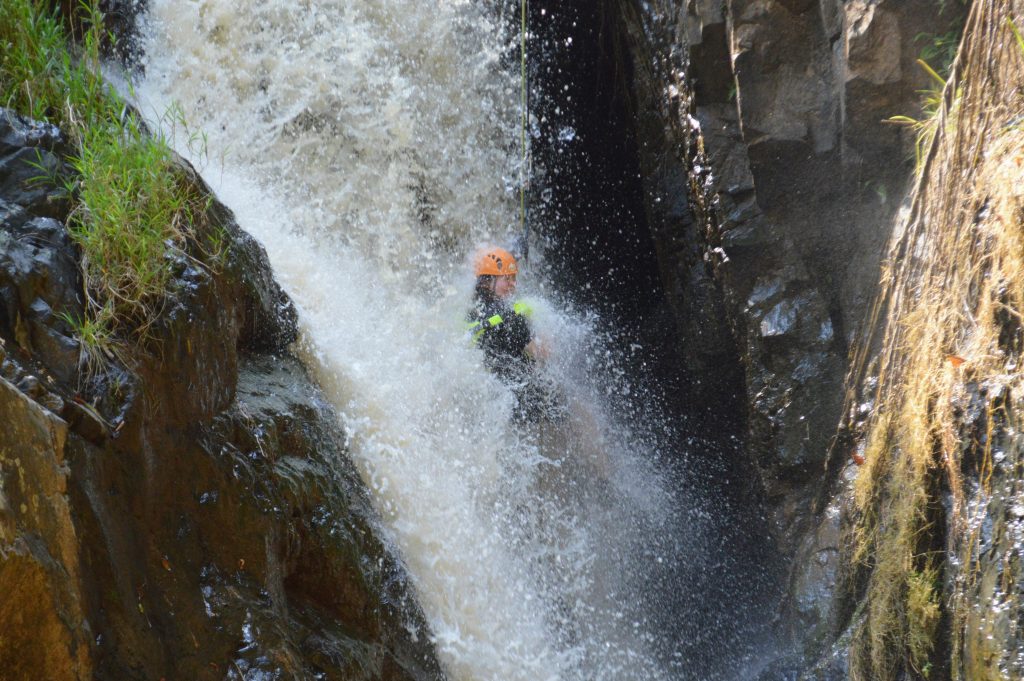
[[503, 332]]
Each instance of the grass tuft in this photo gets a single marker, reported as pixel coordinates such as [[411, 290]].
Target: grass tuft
[[135, 215], [98, 344], [925, 128]]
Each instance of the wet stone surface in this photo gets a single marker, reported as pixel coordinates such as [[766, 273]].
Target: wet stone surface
[[204, 522], [987, 576]]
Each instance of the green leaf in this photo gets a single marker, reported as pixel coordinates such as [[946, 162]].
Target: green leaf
[[1016, 33]]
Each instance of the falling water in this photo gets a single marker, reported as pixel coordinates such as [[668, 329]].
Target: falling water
[[369, 145]]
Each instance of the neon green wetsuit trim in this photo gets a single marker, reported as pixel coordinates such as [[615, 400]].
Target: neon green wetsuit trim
[[489, 323], [525, 309]]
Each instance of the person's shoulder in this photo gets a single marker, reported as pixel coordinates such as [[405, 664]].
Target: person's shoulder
[[523, 307]]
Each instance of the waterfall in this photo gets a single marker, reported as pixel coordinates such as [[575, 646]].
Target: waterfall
[[370, 145]]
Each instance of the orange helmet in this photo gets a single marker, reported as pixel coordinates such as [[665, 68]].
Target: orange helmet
[[496, 262]]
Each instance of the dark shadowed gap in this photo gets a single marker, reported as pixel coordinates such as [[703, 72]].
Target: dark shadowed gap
[[587, 200], [588, 210]]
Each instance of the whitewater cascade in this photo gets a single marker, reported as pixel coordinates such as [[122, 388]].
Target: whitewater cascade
[[369, 145]]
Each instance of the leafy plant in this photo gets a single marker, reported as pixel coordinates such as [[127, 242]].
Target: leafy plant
[[940, 49], [931, 105], [135, 214]]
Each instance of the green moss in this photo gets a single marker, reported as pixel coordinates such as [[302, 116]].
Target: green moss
[[923, 614]]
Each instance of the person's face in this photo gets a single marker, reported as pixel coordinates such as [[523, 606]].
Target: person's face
[[505, 286]]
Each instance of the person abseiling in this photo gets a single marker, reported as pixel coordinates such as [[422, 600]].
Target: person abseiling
[[500, 326]]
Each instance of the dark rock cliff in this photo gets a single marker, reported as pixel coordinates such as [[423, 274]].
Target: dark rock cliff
[[778, 112], [769, 119], [189, 512]]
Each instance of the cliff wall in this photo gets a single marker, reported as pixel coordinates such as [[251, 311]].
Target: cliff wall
[[772, 119], [932, 568], [183, 508]]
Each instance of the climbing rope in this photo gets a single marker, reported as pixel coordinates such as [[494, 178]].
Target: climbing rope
[[524, 166]]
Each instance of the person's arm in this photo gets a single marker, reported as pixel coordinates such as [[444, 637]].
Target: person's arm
[[538, 349]]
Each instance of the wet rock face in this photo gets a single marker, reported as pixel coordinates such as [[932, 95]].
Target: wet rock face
[[30, 154], [806, 175], [775, 110], [202, 520], [706, 349], [39, 283], [985, 577], [39, 274]]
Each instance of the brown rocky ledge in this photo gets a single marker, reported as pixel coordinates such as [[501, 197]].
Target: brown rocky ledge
[[193, 514]]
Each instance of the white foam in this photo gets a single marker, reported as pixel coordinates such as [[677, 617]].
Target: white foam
[[367, 145]]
